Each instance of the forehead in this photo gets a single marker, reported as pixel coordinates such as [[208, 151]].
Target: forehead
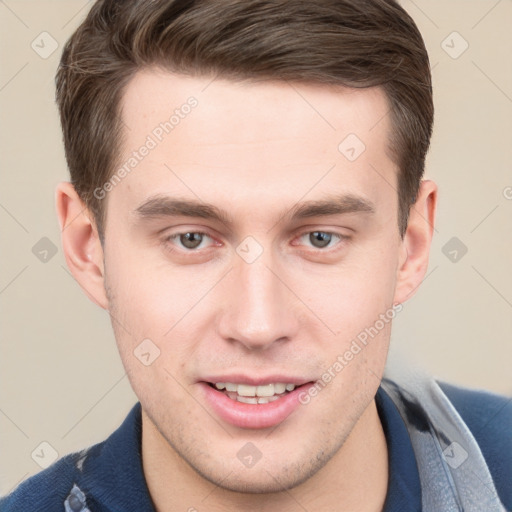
[[212, 139]]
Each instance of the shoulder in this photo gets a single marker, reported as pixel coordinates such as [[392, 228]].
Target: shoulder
[[489, 418], [47, 490], [89, 476]]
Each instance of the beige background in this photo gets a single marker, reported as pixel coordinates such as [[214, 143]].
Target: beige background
[[61, 378]]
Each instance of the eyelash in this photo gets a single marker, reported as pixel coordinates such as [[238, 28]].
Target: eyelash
[[340, 237]]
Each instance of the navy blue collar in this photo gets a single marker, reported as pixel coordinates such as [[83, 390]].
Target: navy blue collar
[[113, 476], [404, 488]]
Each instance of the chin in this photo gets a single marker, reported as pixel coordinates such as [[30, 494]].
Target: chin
[[258, 482], [266, 476]]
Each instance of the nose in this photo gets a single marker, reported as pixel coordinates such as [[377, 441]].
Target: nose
[[259, 310]]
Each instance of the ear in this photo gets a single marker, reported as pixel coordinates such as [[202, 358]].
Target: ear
[[80, 243], [415, 246]]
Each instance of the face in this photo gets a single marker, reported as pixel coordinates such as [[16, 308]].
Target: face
[[252, 243]]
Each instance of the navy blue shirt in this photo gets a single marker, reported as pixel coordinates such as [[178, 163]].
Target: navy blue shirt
[[111, 478]]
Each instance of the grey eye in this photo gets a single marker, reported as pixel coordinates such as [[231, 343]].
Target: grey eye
[[191, 240], [320, 239]]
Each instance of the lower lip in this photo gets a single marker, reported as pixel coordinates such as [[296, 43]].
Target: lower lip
[[252, 415]]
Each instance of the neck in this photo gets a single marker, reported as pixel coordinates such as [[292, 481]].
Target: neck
[[355, 479]]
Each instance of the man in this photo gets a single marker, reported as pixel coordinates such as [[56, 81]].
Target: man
[[247, 203]]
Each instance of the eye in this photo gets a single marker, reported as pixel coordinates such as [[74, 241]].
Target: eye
[[190, 240], [322, 239]]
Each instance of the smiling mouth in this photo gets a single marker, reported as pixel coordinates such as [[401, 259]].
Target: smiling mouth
[[249, 394], [253, 403]]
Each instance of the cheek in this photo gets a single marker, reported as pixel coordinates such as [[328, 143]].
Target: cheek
[[149, 294], [355, 301], [352, 296], [153, 311]]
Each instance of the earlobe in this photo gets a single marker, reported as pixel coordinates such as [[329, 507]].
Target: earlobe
[[415, 248], [80, 243]]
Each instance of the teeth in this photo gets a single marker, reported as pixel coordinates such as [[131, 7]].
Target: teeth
[[280, 388], [255, 400], [248, 391], [247, 399], [267, 399], [265, 391], [244, 390]]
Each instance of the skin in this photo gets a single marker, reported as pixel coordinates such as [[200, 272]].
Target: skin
[[255, 150]]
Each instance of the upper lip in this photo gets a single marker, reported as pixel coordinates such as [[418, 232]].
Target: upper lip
[[239, 378]]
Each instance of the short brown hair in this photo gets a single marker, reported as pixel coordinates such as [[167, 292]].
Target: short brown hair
[[359, 44]]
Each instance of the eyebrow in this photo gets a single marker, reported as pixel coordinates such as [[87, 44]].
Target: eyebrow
[[166, 206]]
